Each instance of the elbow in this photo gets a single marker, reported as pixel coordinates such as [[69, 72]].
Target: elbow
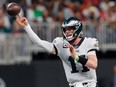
[[94, 67], [92, 63]]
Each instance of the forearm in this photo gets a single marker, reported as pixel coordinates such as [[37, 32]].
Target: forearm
[[90, 62], [41, 43]]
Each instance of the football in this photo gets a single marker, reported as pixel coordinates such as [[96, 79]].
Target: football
[[13, 9]]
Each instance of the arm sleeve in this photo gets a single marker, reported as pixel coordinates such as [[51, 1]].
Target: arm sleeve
[[47, 46]]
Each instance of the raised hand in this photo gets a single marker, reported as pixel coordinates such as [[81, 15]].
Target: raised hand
[[72, 50], [22, 21]]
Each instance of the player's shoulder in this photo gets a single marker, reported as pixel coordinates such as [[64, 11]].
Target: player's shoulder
[[91, 40], [58, 39], [92, 43]]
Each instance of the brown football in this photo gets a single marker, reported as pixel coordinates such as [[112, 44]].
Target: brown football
[[13, 9]]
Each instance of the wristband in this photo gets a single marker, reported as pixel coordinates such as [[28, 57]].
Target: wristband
[[77, 58], [82, 60]]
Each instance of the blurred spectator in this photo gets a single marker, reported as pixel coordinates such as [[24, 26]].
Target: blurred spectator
[[60, 16], [68, 12], [111, 22], [28, 2], [96, 2], [98, 16], [24, 7], [47, 27], [2, 2], [41, 5], [65, 6], [71, 5], [78, 14], [111, 15], [90, 8], [91, 25], [33, 14], [102, 15], [104, 5], [49, 6], [57, 6], [4, 20], [46, 17], [4, 28]]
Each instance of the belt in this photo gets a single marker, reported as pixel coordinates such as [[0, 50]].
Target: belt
[[71, 86], [85, 83]]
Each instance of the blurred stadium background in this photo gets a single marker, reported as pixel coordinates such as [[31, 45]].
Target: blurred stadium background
[[22, 64]]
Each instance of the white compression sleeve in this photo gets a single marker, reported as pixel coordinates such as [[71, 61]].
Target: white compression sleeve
[[47, 46]]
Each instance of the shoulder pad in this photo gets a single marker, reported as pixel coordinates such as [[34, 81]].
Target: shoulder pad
[[93, 43], [57, 39]]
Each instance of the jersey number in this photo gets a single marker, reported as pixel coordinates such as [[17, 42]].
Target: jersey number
[[73, 65]]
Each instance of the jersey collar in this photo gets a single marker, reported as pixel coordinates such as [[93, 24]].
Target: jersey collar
[[77, 45]]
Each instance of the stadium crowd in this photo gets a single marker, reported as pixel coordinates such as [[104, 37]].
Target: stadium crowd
[[96, 15]]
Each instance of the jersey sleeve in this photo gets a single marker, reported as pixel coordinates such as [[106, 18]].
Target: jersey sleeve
[[92, 45], [56, 42]]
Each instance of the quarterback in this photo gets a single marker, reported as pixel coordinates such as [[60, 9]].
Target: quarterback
[[77, 53]]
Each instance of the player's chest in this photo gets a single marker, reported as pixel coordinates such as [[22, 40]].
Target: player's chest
[[65, 52]]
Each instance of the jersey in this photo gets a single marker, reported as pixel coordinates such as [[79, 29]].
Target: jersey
[[75, 71]]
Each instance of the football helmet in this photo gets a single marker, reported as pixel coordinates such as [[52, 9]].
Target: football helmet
[[73, 23]]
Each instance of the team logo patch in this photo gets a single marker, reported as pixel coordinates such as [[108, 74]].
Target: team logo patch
[[65, 45]]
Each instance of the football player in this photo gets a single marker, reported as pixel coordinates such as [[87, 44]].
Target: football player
[[78, 54]]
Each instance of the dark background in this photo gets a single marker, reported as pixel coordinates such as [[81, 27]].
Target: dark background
[[47, 71]]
